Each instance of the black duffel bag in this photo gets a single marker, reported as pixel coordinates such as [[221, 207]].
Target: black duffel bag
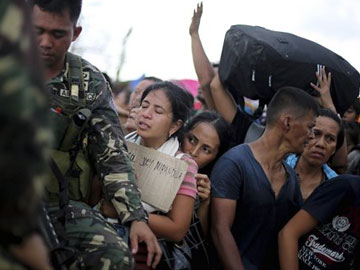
[[255, 62]]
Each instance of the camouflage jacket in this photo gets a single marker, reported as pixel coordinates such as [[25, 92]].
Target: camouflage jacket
[[105, 139], [24, 134]]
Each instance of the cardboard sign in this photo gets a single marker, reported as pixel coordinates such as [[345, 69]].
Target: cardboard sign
[[158, 175]]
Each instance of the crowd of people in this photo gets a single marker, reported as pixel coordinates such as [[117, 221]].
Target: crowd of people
[[281, 193]]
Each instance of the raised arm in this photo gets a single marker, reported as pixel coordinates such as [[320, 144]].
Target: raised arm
[[203, 67], [224, 103], [289, 236], [339, 161], [323, 88], [222, 218]]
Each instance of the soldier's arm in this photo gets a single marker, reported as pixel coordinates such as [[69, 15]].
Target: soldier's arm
[[109, 154]]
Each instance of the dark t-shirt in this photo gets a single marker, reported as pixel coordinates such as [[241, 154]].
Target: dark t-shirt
[[332, 244], [259, 215]]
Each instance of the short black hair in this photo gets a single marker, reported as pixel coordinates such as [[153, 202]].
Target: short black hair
[[291, 99], [58, 7], [179, 100]]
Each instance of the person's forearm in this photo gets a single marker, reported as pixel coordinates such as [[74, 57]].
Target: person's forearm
[[328, 103], [227, 248], [165, 227], [203, 69], [130, 208], [288, 252], [339, 160], [208, 98], [203, 215], [224, 103]]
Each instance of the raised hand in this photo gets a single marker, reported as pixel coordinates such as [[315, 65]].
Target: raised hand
[[195, 22], [203, 186], [323, 88]]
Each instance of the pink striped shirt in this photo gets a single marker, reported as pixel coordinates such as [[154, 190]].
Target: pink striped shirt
[[188, 186]]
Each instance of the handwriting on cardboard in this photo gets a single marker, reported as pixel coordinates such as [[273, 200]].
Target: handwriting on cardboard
[[159, 176]]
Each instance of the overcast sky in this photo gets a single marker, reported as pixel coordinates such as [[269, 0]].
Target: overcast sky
[[159, 44]]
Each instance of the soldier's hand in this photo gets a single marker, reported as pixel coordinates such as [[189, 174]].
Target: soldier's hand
[[140, 232]]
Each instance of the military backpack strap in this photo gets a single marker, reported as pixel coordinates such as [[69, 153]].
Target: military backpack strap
[[61, 255], [76, 79], [63, 190]]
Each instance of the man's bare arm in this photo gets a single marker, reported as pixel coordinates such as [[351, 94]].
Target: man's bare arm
[[222, 217]]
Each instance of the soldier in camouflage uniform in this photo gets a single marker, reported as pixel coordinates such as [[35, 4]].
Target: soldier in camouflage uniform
[[23, 138], [78, 91]]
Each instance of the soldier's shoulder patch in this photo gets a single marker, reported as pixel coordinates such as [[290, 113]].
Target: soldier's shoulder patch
[[64, 93], [86, 85], [86, 75], [90, 96]]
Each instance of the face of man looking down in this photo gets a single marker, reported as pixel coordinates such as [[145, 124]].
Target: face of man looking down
[[301, 132], [55, 32]]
